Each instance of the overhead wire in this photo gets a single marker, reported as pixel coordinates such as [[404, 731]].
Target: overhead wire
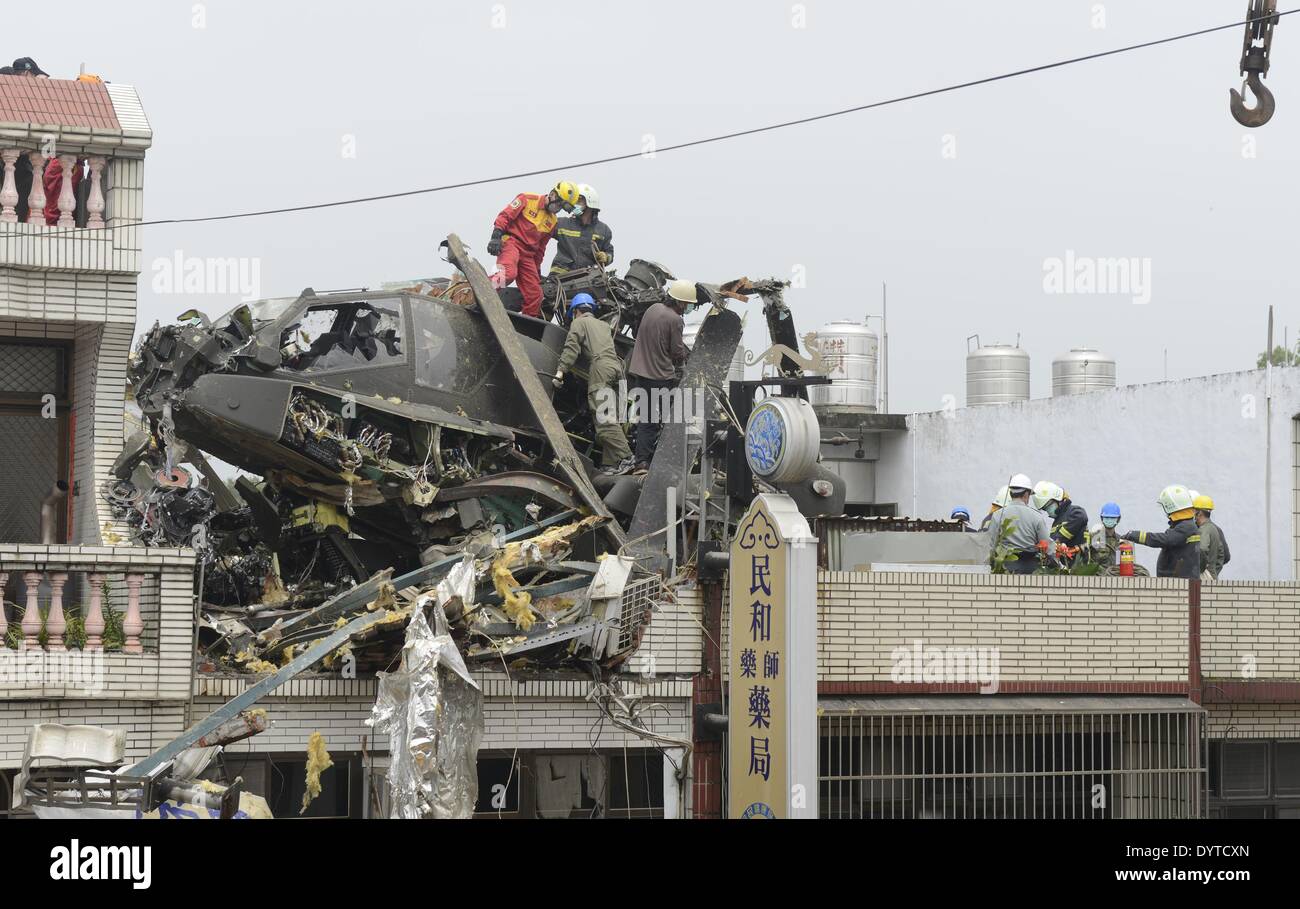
[[692, 143]]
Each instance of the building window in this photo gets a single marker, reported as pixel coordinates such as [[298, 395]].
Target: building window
[[35, 450], [1254, 778], [561, 784], [282, 781]]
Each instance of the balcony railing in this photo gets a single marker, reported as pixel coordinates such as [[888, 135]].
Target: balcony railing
[[78, 193], [49, 629]]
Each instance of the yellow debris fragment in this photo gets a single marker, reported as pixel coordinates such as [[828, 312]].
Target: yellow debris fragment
[[516, 605], [318, 761], [385, 599]]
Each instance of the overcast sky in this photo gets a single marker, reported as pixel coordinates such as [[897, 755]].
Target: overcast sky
[[957, 201]]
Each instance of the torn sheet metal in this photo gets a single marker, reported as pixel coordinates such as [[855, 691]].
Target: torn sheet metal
[[432, 710]]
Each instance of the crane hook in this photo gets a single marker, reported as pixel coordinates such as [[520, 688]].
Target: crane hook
[[1262, 112]]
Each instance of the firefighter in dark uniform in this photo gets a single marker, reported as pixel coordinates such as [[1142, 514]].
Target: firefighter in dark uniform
[[1069, 521], [1180, 545], [583, 240]]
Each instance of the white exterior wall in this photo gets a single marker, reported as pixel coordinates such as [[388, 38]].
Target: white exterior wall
[[1122, 445]]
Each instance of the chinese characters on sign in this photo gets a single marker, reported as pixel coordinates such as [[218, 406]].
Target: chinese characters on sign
[[758, 716]]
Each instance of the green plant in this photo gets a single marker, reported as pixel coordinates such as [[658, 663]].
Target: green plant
[[114, 637], [1281, 357], [75, 634], [1001, 554], [14, 636]]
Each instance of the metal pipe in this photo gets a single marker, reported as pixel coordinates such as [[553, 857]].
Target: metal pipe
[[50, 511]]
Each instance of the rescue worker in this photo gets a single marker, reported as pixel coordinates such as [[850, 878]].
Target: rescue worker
[[999, 502], [1069, 521], [1180, 545], [593, 339], [583, 240], [1021, 532], [1105, 538], [658, 354], [1214, 548], [961, 513], [519, 237]]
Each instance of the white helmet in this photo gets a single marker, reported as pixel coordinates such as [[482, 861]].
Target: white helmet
[[589, 192], [1046, 492], [1020, 481], [683, 291], [1003, 498], [1175, 498]]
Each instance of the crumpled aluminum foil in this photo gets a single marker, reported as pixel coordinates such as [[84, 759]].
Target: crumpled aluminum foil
[[432, 710]]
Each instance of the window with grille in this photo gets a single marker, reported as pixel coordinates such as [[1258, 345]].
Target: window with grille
[[32, 370], [1254, 778]]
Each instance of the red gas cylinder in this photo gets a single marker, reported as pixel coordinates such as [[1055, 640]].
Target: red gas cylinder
[[1126, 559]]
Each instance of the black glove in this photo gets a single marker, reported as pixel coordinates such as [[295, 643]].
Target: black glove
[[494, 245], [1130, 536]]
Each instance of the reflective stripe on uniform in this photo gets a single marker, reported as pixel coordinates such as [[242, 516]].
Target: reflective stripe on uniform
[[1194, 538], [1142, 536], [1065, 533]]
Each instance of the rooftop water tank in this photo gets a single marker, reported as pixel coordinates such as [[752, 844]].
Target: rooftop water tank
[[851, 352], [1081, 370], [736, 372], [996, 374]]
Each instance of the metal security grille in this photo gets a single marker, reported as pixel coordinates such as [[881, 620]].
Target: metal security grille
[[1094, 759], [639, 598], [31, 369], [29, 465]]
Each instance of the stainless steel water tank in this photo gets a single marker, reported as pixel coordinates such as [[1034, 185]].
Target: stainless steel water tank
[[997, 374], [735, 372], [852, 354], [1081, 370]]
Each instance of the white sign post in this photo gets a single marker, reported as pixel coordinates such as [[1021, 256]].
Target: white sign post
[[772, 719]]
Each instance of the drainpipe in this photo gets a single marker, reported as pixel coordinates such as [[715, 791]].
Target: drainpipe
[[50, 511]]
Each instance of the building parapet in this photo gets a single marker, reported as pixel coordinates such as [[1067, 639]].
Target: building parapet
[[95, 622]]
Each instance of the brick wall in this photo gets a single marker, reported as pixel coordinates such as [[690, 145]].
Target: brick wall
[[148, 725], [532, 714], [1056, 629], [161, 673], [1238, 721], [1250, 630], [672, 644]]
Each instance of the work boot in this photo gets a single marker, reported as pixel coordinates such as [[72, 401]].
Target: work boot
[[642, 467], [622, 467]]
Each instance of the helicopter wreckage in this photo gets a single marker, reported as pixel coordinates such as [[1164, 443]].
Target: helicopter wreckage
[[397, 447]]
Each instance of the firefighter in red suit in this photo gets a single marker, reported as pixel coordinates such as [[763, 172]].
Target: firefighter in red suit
[[519, 237]]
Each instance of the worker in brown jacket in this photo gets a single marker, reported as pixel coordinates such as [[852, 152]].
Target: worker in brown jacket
[[658, 354]]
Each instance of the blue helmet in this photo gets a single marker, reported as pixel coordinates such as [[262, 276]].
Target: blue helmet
[[1110, 510], [581, 301], [960, 511]]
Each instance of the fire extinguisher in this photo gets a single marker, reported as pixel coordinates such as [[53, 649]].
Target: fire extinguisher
[[1126, 559]]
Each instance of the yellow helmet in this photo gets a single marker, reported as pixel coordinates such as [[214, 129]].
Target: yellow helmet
[[567, 192], [1203, 503]]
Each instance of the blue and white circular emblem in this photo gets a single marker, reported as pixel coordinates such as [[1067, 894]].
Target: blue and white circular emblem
[[764, 440], [758, 812]]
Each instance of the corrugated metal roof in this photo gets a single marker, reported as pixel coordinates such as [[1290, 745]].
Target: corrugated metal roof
[[848, 705]]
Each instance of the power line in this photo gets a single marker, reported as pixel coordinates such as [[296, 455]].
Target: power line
[[611, 159]]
